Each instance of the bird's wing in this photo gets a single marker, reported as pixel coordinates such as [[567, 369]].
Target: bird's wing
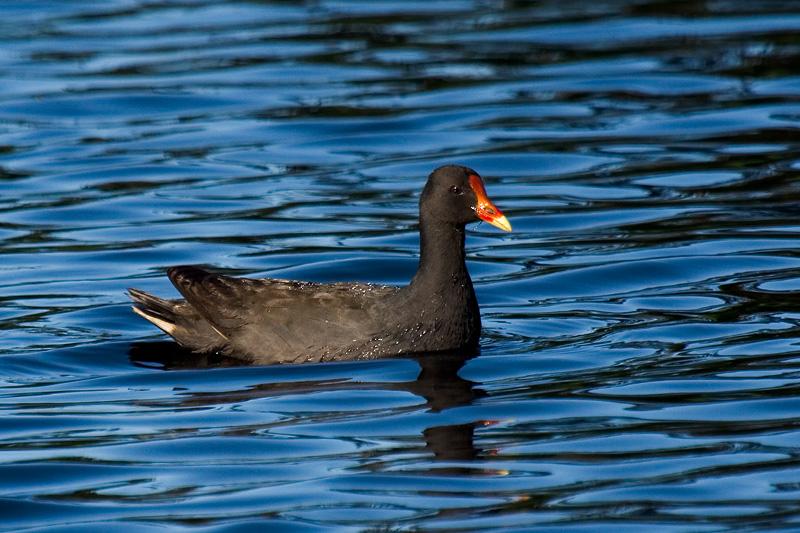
[[280, 318]]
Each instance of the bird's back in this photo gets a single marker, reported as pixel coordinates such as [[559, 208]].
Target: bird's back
[[273, 320]]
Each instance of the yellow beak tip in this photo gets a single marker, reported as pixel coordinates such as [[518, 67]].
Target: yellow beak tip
[[502, 223]]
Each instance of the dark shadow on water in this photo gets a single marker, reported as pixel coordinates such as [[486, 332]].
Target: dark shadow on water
[[167, 355], [442, 387], [438, 382]]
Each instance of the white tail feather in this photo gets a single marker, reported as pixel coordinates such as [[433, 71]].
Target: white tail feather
[[163, 325]]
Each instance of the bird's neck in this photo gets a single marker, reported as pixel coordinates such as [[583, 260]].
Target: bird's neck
[[440, 298], [442, 257]]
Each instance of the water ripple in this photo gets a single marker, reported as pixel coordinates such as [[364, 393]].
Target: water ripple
[[641, 351]]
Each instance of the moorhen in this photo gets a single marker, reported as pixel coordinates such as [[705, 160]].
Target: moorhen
[[267, 321]]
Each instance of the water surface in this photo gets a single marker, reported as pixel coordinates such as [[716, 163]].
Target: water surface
[[640, 364]]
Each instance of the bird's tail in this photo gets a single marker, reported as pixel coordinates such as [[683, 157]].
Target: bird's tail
[[179, 320], [158, 311]]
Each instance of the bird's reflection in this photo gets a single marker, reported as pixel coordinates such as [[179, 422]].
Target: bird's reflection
[[166, 355], [438, 382], [442, 387]]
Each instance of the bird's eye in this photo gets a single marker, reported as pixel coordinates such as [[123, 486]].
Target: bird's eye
[[455, 189]]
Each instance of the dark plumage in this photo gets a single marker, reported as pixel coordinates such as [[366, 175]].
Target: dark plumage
[[278, 321]]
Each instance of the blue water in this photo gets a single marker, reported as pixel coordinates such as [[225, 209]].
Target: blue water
[[640, 361]]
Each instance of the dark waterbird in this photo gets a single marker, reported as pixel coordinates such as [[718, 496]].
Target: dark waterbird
[[279, 321]]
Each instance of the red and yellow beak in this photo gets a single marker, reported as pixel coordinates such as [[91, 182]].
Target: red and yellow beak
[[485, 209]]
